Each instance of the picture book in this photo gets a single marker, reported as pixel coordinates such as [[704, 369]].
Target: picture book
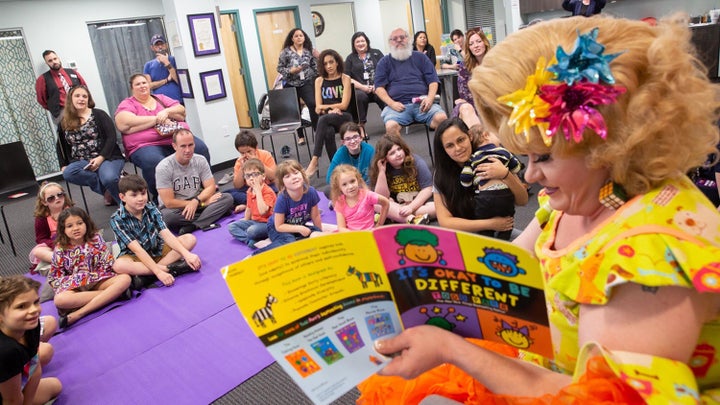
[[319, 304]]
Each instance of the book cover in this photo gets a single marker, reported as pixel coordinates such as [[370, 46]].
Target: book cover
[[319, 304]]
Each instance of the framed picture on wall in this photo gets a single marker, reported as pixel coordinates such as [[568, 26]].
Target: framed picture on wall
[[213, 84], [203, 34], [185, 84]]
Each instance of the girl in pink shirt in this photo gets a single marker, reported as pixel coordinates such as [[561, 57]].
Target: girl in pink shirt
[[354, 202]]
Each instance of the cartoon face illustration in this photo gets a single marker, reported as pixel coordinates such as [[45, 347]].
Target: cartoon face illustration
[[420, 253], [418, 245], [514, 336]]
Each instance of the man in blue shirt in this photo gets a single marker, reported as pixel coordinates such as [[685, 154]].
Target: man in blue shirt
[[407, 82], [163, 70]]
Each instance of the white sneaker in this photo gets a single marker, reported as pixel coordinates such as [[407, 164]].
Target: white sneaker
[[227, 178]]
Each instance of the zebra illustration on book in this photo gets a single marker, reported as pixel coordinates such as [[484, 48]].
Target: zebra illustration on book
[[365, 278], [265, 312]]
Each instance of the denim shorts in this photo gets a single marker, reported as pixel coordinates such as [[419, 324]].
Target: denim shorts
[[411, 114]]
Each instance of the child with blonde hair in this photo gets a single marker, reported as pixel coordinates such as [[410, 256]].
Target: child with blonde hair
[[82, 273], [354, 202], [51, 200], [296, 205]]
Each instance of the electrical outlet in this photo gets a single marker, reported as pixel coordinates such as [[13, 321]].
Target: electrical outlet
[[225, 131]]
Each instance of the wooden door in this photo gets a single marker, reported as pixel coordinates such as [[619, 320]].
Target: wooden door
[[273, 27], [235, 69], [433, 23]]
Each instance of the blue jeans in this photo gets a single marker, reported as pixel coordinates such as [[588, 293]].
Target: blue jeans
[[248, 231], [281, 238], [148, 157], [104, 178]]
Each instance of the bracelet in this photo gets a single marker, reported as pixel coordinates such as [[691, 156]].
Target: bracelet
[[506, 174]]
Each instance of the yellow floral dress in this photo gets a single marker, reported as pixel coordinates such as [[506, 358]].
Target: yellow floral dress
[[667, 237]]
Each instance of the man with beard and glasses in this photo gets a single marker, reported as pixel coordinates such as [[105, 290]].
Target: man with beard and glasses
[[407, 82], [52, 86]]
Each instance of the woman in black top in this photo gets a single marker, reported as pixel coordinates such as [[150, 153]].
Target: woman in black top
[[421, 44], [586, 8], [360, 65], [332, 97]]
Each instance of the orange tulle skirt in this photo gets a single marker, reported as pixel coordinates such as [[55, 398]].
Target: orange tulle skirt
[[598, 385]]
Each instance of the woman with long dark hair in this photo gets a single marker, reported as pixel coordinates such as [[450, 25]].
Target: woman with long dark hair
[[298, 68], [332, 97]]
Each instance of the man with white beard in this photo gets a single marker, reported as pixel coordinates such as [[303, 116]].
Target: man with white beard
[[407, 82]]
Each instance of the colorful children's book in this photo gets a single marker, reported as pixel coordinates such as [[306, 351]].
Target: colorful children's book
[[319, 304]]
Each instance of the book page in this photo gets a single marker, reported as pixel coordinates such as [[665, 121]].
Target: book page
[[318, 305], [469, 284]]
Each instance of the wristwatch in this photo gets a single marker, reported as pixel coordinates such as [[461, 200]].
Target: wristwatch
[[200, 204]]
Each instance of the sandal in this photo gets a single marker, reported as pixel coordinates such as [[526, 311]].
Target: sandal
[[364, 134]]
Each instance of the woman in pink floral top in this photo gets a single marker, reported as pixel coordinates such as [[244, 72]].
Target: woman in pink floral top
[[81, 273]]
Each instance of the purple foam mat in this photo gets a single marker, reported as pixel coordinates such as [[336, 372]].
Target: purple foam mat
[[194, 367], [184, 344]]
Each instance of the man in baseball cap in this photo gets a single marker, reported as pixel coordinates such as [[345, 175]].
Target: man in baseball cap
[[162, 70]]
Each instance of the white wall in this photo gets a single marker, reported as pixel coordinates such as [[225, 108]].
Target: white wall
[[339, 27], [61, 25]]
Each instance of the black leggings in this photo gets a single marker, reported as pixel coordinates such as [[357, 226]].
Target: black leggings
[[328, 125], [306, 93]]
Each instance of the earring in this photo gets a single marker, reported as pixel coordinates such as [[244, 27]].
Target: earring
[[612, 195]]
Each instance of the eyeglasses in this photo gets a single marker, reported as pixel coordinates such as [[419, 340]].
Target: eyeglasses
[[251, 175], [51, 198], [353, 138], [398, 38]]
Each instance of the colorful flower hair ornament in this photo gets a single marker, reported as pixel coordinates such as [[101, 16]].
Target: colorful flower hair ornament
[[527, 106], [585, 62], [565, 94]]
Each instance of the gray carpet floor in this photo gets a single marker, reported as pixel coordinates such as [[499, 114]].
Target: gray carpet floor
[[272, 385]]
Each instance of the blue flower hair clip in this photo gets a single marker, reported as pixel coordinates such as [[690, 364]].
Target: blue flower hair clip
[[565, 95], [586, 61]]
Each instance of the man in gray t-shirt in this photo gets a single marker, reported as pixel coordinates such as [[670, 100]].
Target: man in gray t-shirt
[[186, 188]]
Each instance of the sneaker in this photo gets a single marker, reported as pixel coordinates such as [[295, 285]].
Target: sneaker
[[187, 229], [179, 268], [227, 178], [301, 141], [423, 219], [285, 152]]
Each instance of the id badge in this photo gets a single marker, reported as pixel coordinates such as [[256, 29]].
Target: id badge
[[302, 75], [366, 76]]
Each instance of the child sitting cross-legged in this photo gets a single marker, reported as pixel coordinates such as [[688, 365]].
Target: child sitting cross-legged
[[260, 201], [81, 272], [21, 362], [147, 247], [296, 205], [354, 203]]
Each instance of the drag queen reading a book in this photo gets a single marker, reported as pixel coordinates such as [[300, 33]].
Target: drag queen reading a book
[[611, 114]]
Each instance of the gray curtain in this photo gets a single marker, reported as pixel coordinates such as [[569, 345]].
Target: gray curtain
[[121, 50], [21, 117]]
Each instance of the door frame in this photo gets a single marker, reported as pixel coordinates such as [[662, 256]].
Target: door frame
[[250, 94], [298, 24]]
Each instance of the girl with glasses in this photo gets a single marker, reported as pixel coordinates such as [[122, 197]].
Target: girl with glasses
[[51, 200]]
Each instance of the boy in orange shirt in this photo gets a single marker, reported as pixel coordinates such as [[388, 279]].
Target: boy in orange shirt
[[260, 202], [247, 145]]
